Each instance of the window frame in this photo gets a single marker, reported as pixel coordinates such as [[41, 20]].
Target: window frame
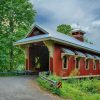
[[94, 64], [99, 64], [63, 63], [77, 63], [87, 64]]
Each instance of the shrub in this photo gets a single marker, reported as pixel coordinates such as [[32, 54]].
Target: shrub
[[20, 68]]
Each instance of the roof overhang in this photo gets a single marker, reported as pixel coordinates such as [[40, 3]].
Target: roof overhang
[[80, 54], [96, 57], [59, 38], [74, 45], [89, 56], [68, 51], [47, 37], [32, 39]]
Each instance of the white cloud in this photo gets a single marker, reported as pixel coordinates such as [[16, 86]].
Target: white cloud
[[96, 23], [83, 14]]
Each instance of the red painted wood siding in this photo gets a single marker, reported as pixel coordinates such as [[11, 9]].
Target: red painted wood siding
[[82, 69], [58, 68], [57, 64]]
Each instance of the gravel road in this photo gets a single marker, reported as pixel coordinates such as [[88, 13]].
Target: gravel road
[[23, 88]]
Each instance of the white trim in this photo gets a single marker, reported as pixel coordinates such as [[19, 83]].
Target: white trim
[[74, 45], [99, 64], [76, 63], [66, 62], [94, 65], [38, 27], [32, 41], [57, 40], [49, 61], [87, 64], [65, 54], [81, 76]]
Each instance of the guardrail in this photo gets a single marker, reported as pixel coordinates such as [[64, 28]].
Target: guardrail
[[17, 72], [52, 82]]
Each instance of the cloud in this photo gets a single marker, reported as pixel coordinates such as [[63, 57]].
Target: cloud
[[84, 14], [96, 23]]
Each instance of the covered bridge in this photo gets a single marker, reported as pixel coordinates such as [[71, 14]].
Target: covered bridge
[[62, 55]]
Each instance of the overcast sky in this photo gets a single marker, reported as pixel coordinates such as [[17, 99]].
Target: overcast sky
[[83, 14]]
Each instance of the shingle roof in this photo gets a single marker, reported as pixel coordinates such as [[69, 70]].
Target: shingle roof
[[59, 37]]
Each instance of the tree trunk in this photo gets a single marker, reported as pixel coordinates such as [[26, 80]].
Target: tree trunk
[[11, 55], [11, 43]]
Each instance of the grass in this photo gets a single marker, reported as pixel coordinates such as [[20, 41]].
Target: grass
[[13, 72], [74, 89]]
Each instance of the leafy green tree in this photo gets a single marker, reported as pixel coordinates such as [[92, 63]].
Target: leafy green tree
[[16, 18], [63, 28], [66, 29]]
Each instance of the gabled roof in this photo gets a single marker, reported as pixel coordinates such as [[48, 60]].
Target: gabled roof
[[58, 37]]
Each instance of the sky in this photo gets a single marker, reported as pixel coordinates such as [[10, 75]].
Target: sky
[[82, 14]]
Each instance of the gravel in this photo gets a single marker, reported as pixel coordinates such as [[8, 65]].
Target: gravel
[[23, 88]]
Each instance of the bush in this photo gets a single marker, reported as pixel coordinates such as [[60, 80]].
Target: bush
[[91, 86], [20, 68]]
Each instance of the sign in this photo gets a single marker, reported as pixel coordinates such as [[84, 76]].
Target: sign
[[59, 84]]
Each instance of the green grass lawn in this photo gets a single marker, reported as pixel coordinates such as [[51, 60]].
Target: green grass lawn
[[74, 89]]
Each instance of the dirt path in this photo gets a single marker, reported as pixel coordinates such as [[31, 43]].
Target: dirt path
[[23, 88]]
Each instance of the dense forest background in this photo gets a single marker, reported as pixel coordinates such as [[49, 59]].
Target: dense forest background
[[16, 18]]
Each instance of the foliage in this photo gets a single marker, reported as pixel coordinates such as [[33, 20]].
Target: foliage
[[16, 18], [75, 89], [66, 29], [63, 28], [46, 85], [87, 40], [20, 68]]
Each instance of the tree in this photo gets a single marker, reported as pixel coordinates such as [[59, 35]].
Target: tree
[[63, 28], [66, 29], [16, 18]]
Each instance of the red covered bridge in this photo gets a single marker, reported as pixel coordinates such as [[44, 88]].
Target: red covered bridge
[[62, 55]]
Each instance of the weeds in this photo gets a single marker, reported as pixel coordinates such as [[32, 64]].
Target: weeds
[[74, 89]]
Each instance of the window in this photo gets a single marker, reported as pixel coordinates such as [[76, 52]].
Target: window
[[99, 64], [65, 62], [77, 63], [87, 64], [95, 62]]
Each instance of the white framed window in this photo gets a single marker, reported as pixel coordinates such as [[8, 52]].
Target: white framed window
[[77, 63], [94, 64], [65, 62], [99, 64], [87, 64]]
